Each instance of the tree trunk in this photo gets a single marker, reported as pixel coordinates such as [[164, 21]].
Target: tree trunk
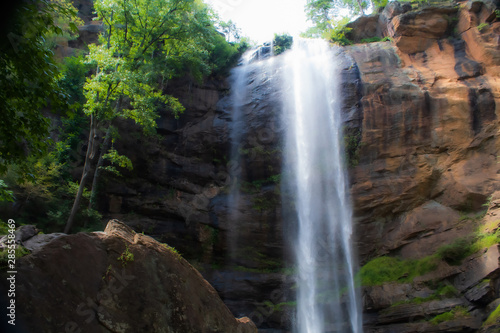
[[97, 172], [360, 4], [89, 156]]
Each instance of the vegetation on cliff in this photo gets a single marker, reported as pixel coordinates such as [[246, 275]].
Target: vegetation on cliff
[[141, 48]]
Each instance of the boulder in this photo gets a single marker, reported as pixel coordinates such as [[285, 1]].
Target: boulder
[[365, 27], [117, 281]]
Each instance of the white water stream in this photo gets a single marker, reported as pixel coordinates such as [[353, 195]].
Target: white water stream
[[327, 299]]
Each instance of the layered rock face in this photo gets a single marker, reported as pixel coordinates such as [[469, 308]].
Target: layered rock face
[[115, 281], [421, 115], [429, 133]]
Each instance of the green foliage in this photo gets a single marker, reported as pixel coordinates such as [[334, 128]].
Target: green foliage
[[388, 269], [120, 160], [461, 248], [352, 146], [338, 31], [229, 29], [376, 39], [482, 26], [72, 79], [66, 22], [28, 80], [4, 228], [281, 43], [5, 194], [493, 317], [173, 250], [485, 240], [456, 312], [442, 318], [323, 12], [447, 291], [319, 12], [455, 252], [44, 197], [20, 251], [224, 55], [255, 186], [126, 256]]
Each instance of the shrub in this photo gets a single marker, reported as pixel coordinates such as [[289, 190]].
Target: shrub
[[126, 256], [337, 34], [455, 252], [281, 43]]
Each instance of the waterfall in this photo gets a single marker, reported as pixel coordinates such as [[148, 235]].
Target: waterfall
[[327, 299], [239, 93]]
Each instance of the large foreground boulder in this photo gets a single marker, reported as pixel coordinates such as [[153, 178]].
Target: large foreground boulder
[[117, 281]]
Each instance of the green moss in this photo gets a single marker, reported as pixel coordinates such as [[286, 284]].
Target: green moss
[[442, 318], [493, 317], [352, 144], [389, 269], [375, 39], [455, 313], [280, 306], [485, 240], [486, 236], [447, 291]]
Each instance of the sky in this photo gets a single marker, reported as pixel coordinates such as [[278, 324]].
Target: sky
[[260, 19]]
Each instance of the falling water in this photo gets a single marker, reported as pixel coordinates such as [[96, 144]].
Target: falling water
[[327, 299], [239, 92]]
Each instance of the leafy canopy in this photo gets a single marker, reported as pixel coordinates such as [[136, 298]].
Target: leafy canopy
[[29, 78], [327, 14]]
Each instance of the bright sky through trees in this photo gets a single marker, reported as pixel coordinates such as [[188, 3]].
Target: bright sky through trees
[[261, 19]]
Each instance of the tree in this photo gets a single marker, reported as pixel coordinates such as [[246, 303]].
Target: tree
[[28, 78], [324, 13], [230, 31], [281, 43], [145, 44], [320, 12]]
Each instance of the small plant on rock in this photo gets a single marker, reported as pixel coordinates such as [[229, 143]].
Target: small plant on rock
[[456, 312], [482, 26], [126, 256]]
